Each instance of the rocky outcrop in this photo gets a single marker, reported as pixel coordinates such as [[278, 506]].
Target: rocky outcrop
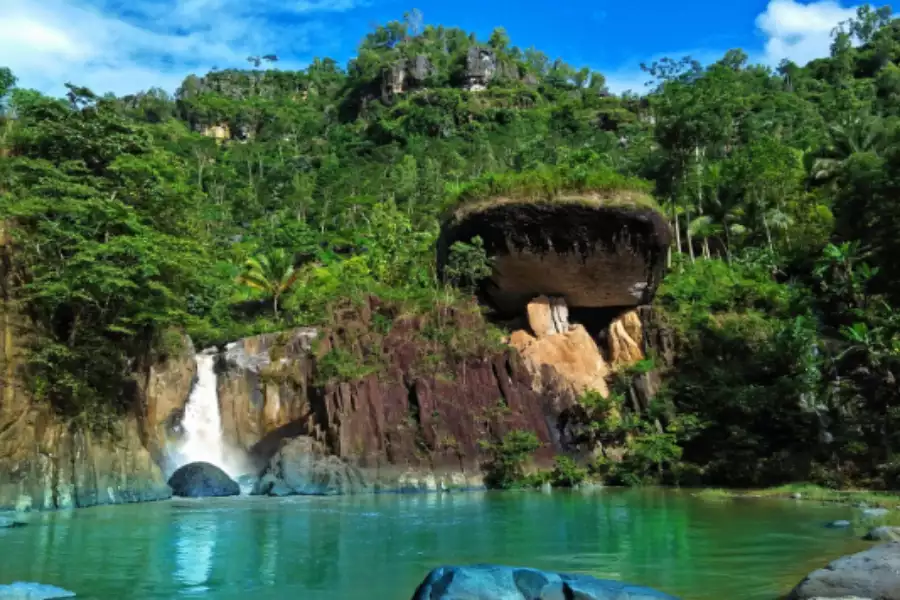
[[511, 583], [202, 480], [571, 360], [45, 461], [874, 573], [402, 428], [302, 466], [593, 252], [163, 393], [483, 66], [625, 340], [404, 75]]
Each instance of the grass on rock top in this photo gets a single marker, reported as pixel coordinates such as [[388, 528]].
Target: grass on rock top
[[594, 188]]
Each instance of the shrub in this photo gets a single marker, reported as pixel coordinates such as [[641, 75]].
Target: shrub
[[504, 469], [566, 473]]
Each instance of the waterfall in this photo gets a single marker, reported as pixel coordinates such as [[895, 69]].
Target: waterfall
[[201, 424]]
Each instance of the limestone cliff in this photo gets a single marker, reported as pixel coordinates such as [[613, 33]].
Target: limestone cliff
[[46, 463], [401, 429]]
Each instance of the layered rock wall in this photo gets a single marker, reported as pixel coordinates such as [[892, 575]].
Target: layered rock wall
[[46, 463], [400, 430]]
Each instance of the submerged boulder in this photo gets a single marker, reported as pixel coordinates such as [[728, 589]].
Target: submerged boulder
[[591, 250], [202, 480], [21, 590], [303, 467], [511, 583], [874, 573], [10, 520]]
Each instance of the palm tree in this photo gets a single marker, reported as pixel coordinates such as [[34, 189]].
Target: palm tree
[[274, 275]]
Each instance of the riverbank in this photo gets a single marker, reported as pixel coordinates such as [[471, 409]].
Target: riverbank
[[809, 492]]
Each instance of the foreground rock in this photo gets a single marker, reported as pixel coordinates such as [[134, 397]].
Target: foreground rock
[[202, 480], [873, 574], [32, 591], [482, 582], [303, 467]]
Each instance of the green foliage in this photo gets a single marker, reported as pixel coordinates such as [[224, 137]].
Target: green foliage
[[467, 264], [505, 468], [566, 473], [323, 189]]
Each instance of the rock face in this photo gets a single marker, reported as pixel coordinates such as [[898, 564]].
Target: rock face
[[510, 583], [401, 429], [591, 252], [44, 462], [874, 574], [569, 359], [303, 467], [405, 75], [481, 66], [202, 480]]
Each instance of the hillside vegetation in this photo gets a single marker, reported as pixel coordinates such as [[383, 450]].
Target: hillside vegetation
[[255, 200]]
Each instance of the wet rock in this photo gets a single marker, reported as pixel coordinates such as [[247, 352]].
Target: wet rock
[[511, 583], [838, 524], [202, 480], [21, 590], [883, 534], [874, 573], [10, 521], [874, 513], [303, 467]]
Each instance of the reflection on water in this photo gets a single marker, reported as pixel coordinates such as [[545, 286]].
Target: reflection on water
[[381, 546], [195, 543]]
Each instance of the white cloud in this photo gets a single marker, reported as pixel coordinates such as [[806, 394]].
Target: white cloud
[[789, 29], [799, 32], [128, 45]]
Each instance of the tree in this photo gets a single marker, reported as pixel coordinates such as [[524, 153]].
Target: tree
[[274, 275]]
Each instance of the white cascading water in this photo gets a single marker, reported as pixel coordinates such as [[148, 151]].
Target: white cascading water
[[201, 424]]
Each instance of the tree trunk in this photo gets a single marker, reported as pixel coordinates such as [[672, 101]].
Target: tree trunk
[[275, 305], [690, 241]]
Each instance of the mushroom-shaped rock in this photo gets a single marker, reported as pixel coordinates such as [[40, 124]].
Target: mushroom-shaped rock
[[598, 249]]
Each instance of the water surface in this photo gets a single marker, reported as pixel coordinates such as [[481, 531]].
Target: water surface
[[380, 547]]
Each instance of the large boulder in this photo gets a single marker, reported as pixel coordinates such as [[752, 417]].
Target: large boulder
[[874, 573], [202, 480], [304, 467], [592, 250], [490, 582]]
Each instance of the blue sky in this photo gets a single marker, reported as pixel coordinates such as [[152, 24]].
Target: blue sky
[[128, 45]]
